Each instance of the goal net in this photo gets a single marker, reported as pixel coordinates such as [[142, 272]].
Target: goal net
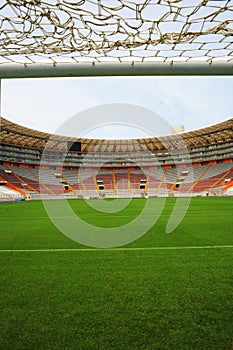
[[123, 33]]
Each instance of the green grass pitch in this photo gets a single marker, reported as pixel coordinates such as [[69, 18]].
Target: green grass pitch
[[56, 294]]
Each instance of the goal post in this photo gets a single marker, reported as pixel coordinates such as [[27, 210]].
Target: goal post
[[115, 69]]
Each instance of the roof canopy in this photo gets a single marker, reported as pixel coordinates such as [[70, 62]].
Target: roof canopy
[[14, 134]]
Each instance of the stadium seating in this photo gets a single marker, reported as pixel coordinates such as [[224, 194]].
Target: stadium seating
[[125, 182], [129, 168]]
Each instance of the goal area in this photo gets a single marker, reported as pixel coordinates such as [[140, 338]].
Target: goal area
[[115, 37]]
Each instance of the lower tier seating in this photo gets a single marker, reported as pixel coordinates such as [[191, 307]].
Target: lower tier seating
[[124, 182]]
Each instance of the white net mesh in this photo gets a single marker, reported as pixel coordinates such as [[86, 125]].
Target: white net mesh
[[68, 31]]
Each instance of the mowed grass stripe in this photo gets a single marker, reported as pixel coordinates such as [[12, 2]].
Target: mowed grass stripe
[[111, 249]]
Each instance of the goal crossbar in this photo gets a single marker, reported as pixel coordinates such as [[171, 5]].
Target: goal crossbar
[[115, 69]]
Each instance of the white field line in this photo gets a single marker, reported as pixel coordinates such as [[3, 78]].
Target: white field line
[[111, 249]]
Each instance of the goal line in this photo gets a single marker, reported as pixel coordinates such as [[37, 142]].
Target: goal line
[[112, 249]]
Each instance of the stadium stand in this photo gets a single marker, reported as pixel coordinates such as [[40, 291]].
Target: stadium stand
[[37, 163]]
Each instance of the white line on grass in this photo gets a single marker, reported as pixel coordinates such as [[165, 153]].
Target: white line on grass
[[110, 249]]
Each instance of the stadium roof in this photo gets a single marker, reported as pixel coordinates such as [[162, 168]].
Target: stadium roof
[[20, 136]]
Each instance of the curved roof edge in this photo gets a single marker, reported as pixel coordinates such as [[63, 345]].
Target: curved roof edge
[[17, 135]]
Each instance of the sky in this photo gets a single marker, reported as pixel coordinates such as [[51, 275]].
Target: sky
[[45, 104]]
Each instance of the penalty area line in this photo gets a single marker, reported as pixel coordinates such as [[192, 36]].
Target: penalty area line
[[111, 249]]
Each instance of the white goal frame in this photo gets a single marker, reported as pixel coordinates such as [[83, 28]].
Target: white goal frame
[[115, 69]]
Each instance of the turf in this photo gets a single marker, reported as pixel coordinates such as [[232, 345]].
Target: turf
[[117, 299]]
